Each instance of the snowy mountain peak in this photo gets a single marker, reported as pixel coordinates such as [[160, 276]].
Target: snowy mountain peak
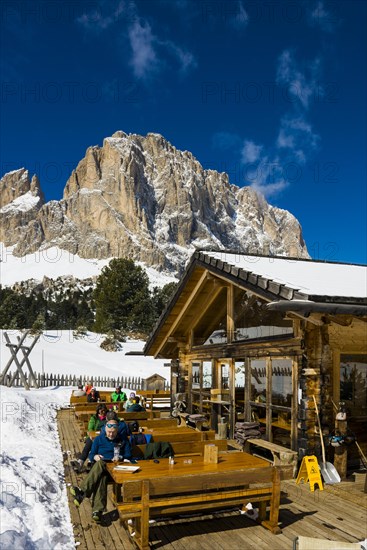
[[140, 197]]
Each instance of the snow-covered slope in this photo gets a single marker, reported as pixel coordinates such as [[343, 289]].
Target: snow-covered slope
[[55, 262]]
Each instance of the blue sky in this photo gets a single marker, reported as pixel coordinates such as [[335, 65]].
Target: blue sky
[[273, 93]]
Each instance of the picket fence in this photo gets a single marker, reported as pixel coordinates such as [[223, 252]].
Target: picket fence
[[45, 380]]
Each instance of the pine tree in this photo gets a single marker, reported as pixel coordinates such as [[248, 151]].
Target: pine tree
[[161, 297], [122, 298]]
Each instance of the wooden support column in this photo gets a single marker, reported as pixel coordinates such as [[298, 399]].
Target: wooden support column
[[247, 408], [230, 314], [269, 434], [294, 413], [341, 453], [232, 397]]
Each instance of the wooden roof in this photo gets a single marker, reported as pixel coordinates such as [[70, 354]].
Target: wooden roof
[[205, 279]]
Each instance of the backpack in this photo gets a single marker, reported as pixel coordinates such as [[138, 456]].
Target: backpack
[[138, 439], [133, 426]]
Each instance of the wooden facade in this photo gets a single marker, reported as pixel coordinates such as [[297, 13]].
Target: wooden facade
[[245, 346]]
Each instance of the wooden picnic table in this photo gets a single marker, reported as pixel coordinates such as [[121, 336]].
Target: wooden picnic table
[[164, 489]]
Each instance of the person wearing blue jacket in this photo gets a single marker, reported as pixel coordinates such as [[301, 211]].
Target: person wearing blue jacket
[[94, 485]]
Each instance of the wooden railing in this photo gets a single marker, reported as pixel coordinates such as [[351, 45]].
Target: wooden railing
[[45, 380]]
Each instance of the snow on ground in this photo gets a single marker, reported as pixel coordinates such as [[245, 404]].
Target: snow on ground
[[55, 262], [34, 511]]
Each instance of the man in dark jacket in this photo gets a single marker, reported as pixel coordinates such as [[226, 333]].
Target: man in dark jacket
[[93, 396], [102, 451], [135, 407]]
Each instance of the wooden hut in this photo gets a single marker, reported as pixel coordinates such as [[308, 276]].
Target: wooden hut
[[256, 337], [155, 382]]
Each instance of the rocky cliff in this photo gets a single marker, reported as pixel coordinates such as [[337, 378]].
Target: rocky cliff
[[140, 197], [21, 199]]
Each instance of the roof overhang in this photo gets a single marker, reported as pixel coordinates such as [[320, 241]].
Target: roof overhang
[[307, 307]]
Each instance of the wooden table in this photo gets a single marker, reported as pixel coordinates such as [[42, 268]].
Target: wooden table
[[165, 489]]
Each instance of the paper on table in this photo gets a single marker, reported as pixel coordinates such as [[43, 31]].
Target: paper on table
[[123, 468]]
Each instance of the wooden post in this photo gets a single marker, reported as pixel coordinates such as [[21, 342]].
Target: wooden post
[[341, 453]]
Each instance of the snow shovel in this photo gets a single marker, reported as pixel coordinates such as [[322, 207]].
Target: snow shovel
[[328, 470]]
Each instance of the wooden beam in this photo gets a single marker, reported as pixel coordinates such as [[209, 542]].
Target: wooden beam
[[190, 299], [230, 313], [204, 309], [313, 320]]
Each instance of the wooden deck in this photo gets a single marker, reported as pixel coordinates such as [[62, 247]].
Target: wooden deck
[[337, 513]]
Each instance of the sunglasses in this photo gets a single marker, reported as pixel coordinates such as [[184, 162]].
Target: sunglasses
[[111, 425]]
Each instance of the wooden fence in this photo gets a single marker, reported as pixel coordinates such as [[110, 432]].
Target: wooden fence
[[44, 380]]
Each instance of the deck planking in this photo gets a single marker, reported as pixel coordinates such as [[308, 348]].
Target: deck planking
[[337, 513]]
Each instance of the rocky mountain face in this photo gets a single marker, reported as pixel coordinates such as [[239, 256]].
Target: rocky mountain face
[[140, 197], [21, 199]]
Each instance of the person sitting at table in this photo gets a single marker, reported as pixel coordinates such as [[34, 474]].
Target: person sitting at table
[[130, 401], [95, 424], [93, 396], [135, 407], [94, 485], [79, 392], [118, 395], [88, 387]]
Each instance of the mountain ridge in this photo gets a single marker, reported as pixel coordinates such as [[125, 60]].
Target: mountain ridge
[[140, 197]]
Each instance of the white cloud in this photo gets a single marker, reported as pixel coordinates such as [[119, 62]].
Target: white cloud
[[185, 59], [97, 21], [268, 177], [144, 59], [320, 17], [297, 135], [148, 51], [241, 18], [300, 88], [250, 152], [270, 189]]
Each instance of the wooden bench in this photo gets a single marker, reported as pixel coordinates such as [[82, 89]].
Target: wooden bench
[[184, 448], [105, 396], [281, 455], [157, 423], [91, 407], [141, 417], [180, 434], [164, 489]]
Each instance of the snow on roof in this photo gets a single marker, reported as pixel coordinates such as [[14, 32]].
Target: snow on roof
[[309, 277]]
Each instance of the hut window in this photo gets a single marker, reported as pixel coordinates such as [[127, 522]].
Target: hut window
[[207, 374], [253, 320], [281, 386], [270, 397], [353, 384], [258, 380], [225, 375], [196, 375]]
